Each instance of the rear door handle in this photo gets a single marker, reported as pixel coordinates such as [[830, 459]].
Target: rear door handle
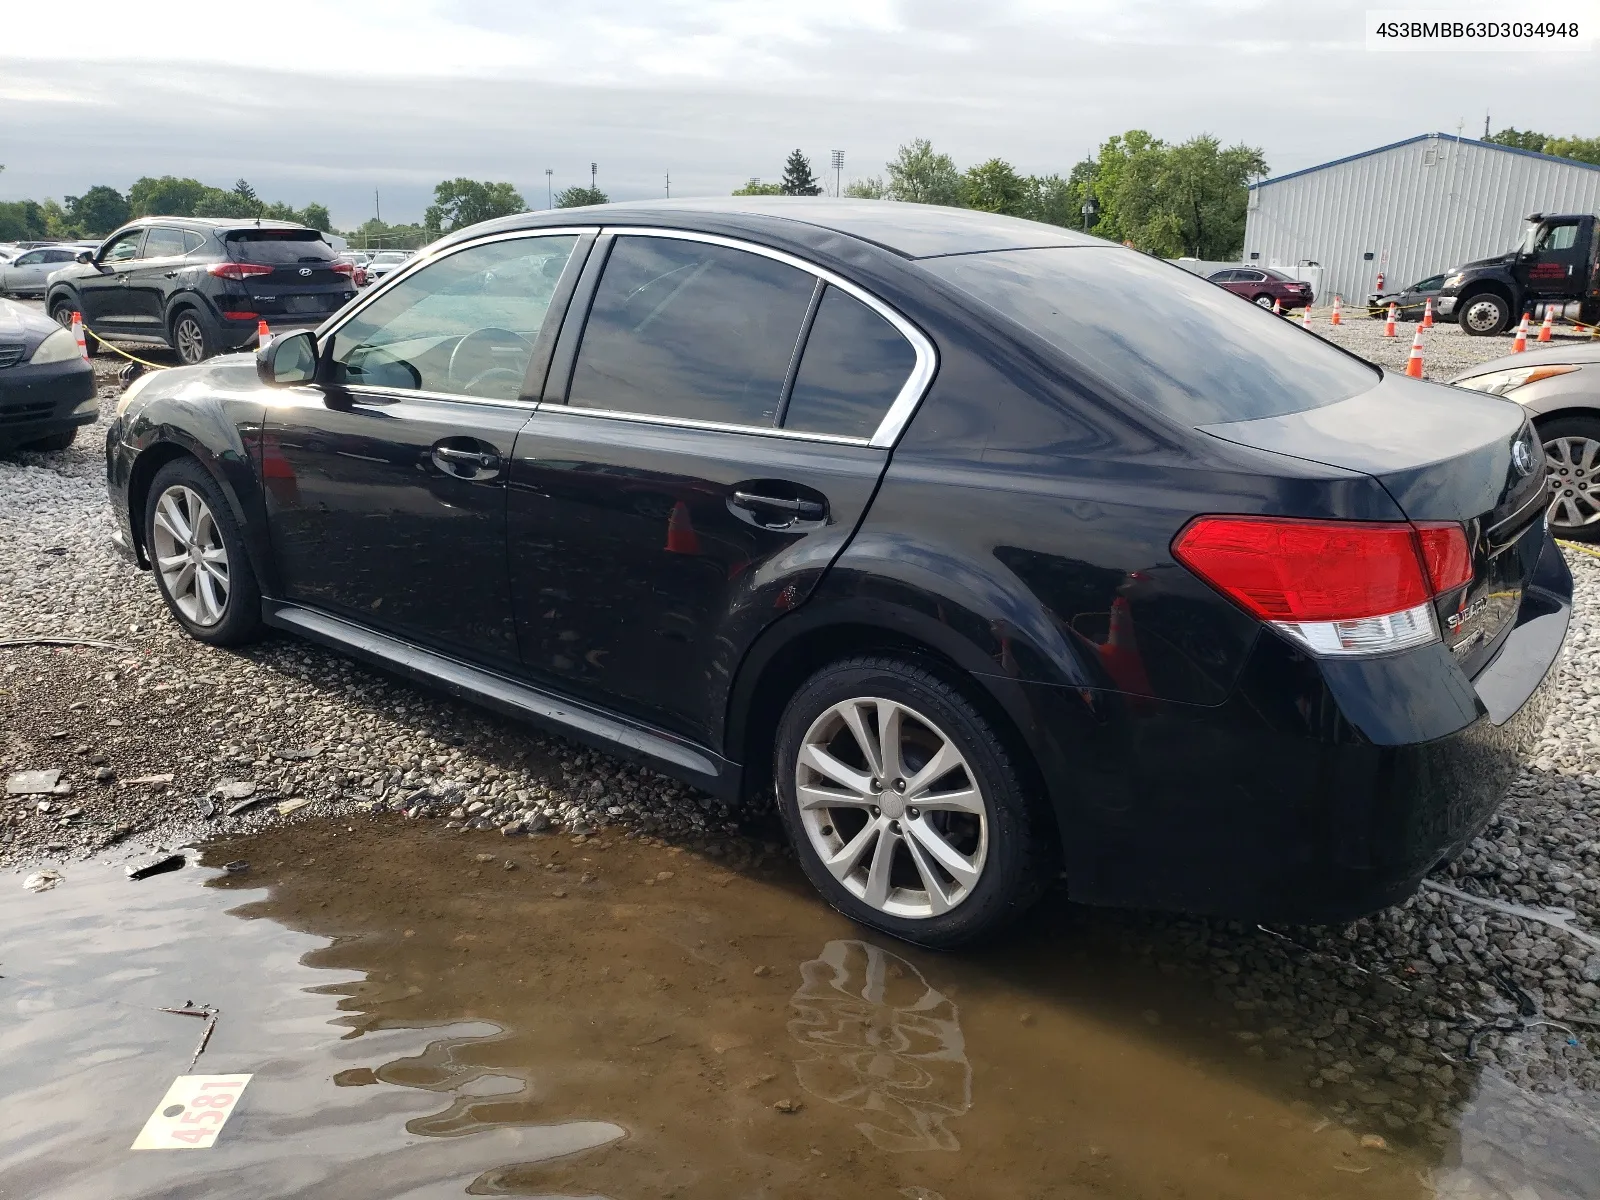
[[465, 464], [777, 512]]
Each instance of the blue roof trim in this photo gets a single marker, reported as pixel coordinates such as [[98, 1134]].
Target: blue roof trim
[[1422, 137]]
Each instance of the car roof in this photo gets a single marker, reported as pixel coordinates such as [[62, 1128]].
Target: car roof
[[218, 224], [909, 230]]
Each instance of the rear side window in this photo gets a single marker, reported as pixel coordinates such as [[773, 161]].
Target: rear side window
[[1153, 332], [690, 330], [192, 241], [854, 365], [58, 256], [163, 243], [274, 246]]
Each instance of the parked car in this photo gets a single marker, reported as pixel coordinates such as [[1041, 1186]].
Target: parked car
[[1410, 303], [25, 275], [893, 511], [385, 261], [1264, 286], [358, 264], [1559, 388], [202, 285], [46, 388], [9, 250]]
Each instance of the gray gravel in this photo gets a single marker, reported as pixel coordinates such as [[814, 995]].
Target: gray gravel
[[1405, 1025]]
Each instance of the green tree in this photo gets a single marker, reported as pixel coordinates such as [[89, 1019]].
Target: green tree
[[376, 235], [246, 193], [1581, 149], [458, 203], [871, 188], [315, 216], [918, 175], [756, 188], [98, 211], [214, 202], [797, 177], [22, 221], [168, 196], [995, 186], [1522, 139], [1201, 194], [578, 197]]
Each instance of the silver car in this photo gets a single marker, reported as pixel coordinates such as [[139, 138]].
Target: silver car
[[1559, 388], [25, 274]]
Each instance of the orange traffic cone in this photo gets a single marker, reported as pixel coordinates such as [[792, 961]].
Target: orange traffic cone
[[1549, 320], [1414, 363], [1388, 327], [1277, 309], [1520, 343], [77, 336], [681, 537], [1305, 317], [1427, 314], [1338, 312], [263, 334]]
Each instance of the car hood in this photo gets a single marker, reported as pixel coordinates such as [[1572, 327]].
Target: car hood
[[1585, 352], [1496, 260], [25, 325]]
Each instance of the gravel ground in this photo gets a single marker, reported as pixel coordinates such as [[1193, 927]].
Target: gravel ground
[[1428, 1019]]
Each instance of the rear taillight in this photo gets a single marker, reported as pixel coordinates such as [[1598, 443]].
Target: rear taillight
[[348, 270], [1334, 587], [235, 270]]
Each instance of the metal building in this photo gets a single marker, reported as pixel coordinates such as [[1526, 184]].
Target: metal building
[[1409, 210]]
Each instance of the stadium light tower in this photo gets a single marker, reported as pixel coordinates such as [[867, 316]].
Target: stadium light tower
[[838, 173]]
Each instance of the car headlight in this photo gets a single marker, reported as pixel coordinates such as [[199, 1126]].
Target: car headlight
[[56, 347], [132, 390], [1453, 280], [1498, 383]]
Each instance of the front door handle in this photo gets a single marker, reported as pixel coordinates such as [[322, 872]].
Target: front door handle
[[777, 512], [466, 464]]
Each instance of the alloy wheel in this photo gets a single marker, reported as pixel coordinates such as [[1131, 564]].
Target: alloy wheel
[[190, 555], [190, 339], [1264, 302], [1574, 474], [891, 807]]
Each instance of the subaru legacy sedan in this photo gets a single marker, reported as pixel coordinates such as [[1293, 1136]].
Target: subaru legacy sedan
[[891, 512]]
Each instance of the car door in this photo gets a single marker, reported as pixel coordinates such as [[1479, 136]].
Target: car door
[[386, 482], [151, 278], [25, 273], [705, 449], [104, 292]]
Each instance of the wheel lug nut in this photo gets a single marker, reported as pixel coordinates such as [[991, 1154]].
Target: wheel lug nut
[[899, 785], [876, 811], [894, 826], [912, 813]]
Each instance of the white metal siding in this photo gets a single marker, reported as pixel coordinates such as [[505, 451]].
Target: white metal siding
[[1429, 205]]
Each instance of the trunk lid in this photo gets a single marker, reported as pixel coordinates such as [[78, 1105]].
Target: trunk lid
[[307, 280], [1443, 454]]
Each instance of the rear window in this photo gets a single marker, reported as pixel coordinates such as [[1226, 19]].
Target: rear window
[[1192, 351], [274, 246]]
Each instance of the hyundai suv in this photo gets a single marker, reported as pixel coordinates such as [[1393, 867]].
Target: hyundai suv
[[202, 285]]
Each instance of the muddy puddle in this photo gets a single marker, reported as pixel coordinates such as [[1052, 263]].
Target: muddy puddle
[[436, 1015]]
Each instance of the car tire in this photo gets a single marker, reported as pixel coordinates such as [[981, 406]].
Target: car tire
[[1262, 301], [1572, 452], [1484, 315], [61, 312], [191, 338], [208, 584], [54, 442], [980, 836]]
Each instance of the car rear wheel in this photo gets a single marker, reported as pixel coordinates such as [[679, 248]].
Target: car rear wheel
[[191, 339], [1484, 315], [1263, 300], [1572, 452], [199, 557], [904, 806]]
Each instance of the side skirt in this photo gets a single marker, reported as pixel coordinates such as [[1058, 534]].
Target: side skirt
[[675, 756]]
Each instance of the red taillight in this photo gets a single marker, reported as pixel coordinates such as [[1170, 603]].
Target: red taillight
[[233, 270], [1336, 587], [240, 316], [348, 270]]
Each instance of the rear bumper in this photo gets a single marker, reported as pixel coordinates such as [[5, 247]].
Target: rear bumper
[[1315, 793], [37, 401]]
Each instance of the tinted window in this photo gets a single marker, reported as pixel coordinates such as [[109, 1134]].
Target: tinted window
[[274, 246], [58, 256], [1280, 276], [1429, 285], [1196, 353], [124, 248], [163, 243], [690, 330], [192, 240], [855, 364], [31, 258], [1224, 276], [464, 325]]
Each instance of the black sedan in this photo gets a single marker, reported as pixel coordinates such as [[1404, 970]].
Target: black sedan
[[1410, 302], [891, 509], [46, 385]]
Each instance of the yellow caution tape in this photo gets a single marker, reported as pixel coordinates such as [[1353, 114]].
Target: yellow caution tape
[[1591, 551], [143, 362]]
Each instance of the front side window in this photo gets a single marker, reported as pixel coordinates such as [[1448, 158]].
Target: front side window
[[1559, 237], [163, 243], [853, 367], [464, 325], [124, 248], [31, 259], [58, 256], [690, 330]]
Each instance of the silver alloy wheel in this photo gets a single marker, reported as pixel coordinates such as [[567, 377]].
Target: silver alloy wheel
[[1481, 316], [891, 807], [1264, 302], [190, 555], [190, 339], [1574, 473]]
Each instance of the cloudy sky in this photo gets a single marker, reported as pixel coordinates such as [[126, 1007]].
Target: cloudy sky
[[332, 100]]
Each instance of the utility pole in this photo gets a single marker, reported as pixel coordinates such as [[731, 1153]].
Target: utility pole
[[594, 170], [549, 188], [377, 211], [838, 173], [669, 185], [1486, 127]]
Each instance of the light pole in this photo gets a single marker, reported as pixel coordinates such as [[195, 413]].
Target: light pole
[[549, 188], [669, 185], [594, 170], [1089, 210], [838, 172]]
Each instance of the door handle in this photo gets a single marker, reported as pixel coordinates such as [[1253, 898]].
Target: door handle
[[466, 464], [764, 511], [170, 275]]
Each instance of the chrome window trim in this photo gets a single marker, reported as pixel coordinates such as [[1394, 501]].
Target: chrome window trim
[[793, 435], [366, 389], [901, 407]]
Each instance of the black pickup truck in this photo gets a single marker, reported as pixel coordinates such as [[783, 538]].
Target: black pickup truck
[[1556, 266]]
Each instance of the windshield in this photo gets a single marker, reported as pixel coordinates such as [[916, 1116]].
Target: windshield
[[388, 258], [272, 246], [1156, 333]]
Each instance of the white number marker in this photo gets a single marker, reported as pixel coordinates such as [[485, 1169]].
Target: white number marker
[[192, 1112]]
